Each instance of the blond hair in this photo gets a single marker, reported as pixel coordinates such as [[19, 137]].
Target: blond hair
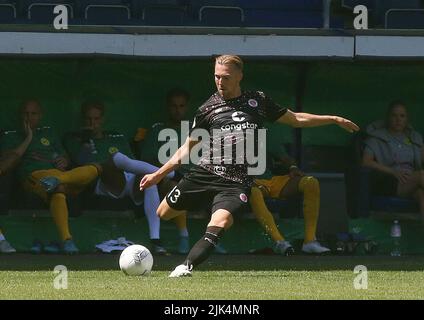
[[228, 59]]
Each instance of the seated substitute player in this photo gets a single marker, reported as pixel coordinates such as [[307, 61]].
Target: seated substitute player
[[176, 108], [93, 144], [395, 153], [285, 187], [214, 181], [8, 161], [45, 157]]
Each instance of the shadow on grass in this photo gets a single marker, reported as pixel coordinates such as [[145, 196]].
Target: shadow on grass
[[87, 262]]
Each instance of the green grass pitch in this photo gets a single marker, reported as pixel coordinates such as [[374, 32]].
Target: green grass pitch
[[97, 276]]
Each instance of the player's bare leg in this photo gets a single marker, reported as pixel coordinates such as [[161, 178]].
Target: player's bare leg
[[221, 218]]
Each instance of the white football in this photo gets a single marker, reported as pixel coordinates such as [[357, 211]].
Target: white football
[[136, 260]]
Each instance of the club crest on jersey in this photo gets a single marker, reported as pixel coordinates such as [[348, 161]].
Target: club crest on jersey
[[219, 170], [253, 103], [243, 197], [113, 150], [45, 142]]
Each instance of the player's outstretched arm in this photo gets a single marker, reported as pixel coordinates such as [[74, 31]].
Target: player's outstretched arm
[[173, 163], [304, 120]]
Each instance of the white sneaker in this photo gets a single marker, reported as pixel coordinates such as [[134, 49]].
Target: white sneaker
[[5, 247], [314, 247], [181, 271], [284, 248]]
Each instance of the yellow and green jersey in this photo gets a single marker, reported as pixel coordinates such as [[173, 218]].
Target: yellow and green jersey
[[275, 151], [84, 150], [44, 148], [149, 149]]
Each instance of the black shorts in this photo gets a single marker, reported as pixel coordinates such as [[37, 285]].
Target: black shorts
[[208, 191]]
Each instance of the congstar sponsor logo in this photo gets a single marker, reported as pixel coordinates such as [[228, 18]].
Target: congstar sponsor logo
[[239, 126], [239, 117]]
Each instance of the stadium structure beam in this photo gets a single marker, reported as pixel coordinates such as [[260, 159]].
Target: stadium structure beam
[[389, 47], [326, 13], [169, 46]]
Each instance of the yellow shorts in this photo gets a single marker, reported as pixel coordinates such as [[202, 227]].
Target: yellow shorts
[[273, 185], [32, 184]]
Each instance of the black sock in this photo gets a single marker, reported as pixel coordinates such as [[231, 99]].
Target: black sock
[[204, 247], [156, 242]]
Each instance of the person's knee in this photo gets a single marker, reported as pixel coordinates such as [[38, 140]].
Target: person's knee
[[255, 192], [119, 160], [161, 210], [226, 222], [256, 201], [222, 218], [310, 184], [98, 167], [229, 221], [61, 189]]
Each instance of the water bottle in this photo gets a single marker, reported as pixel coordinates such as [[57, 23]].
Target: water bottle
[[396, 234]]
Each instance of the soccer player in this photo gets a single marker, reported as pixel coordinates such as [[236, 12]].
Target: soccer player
[[177, 100], [285, 187], [290, 182], [120, 174], [224, 183], [8, 161], [45, 157]]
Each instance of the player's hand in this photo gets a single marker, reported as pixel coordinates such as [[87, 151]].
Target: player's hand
[[296, 172], [346, 124], [401, 176], [61, 163], [149, 180], [28, 130]]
